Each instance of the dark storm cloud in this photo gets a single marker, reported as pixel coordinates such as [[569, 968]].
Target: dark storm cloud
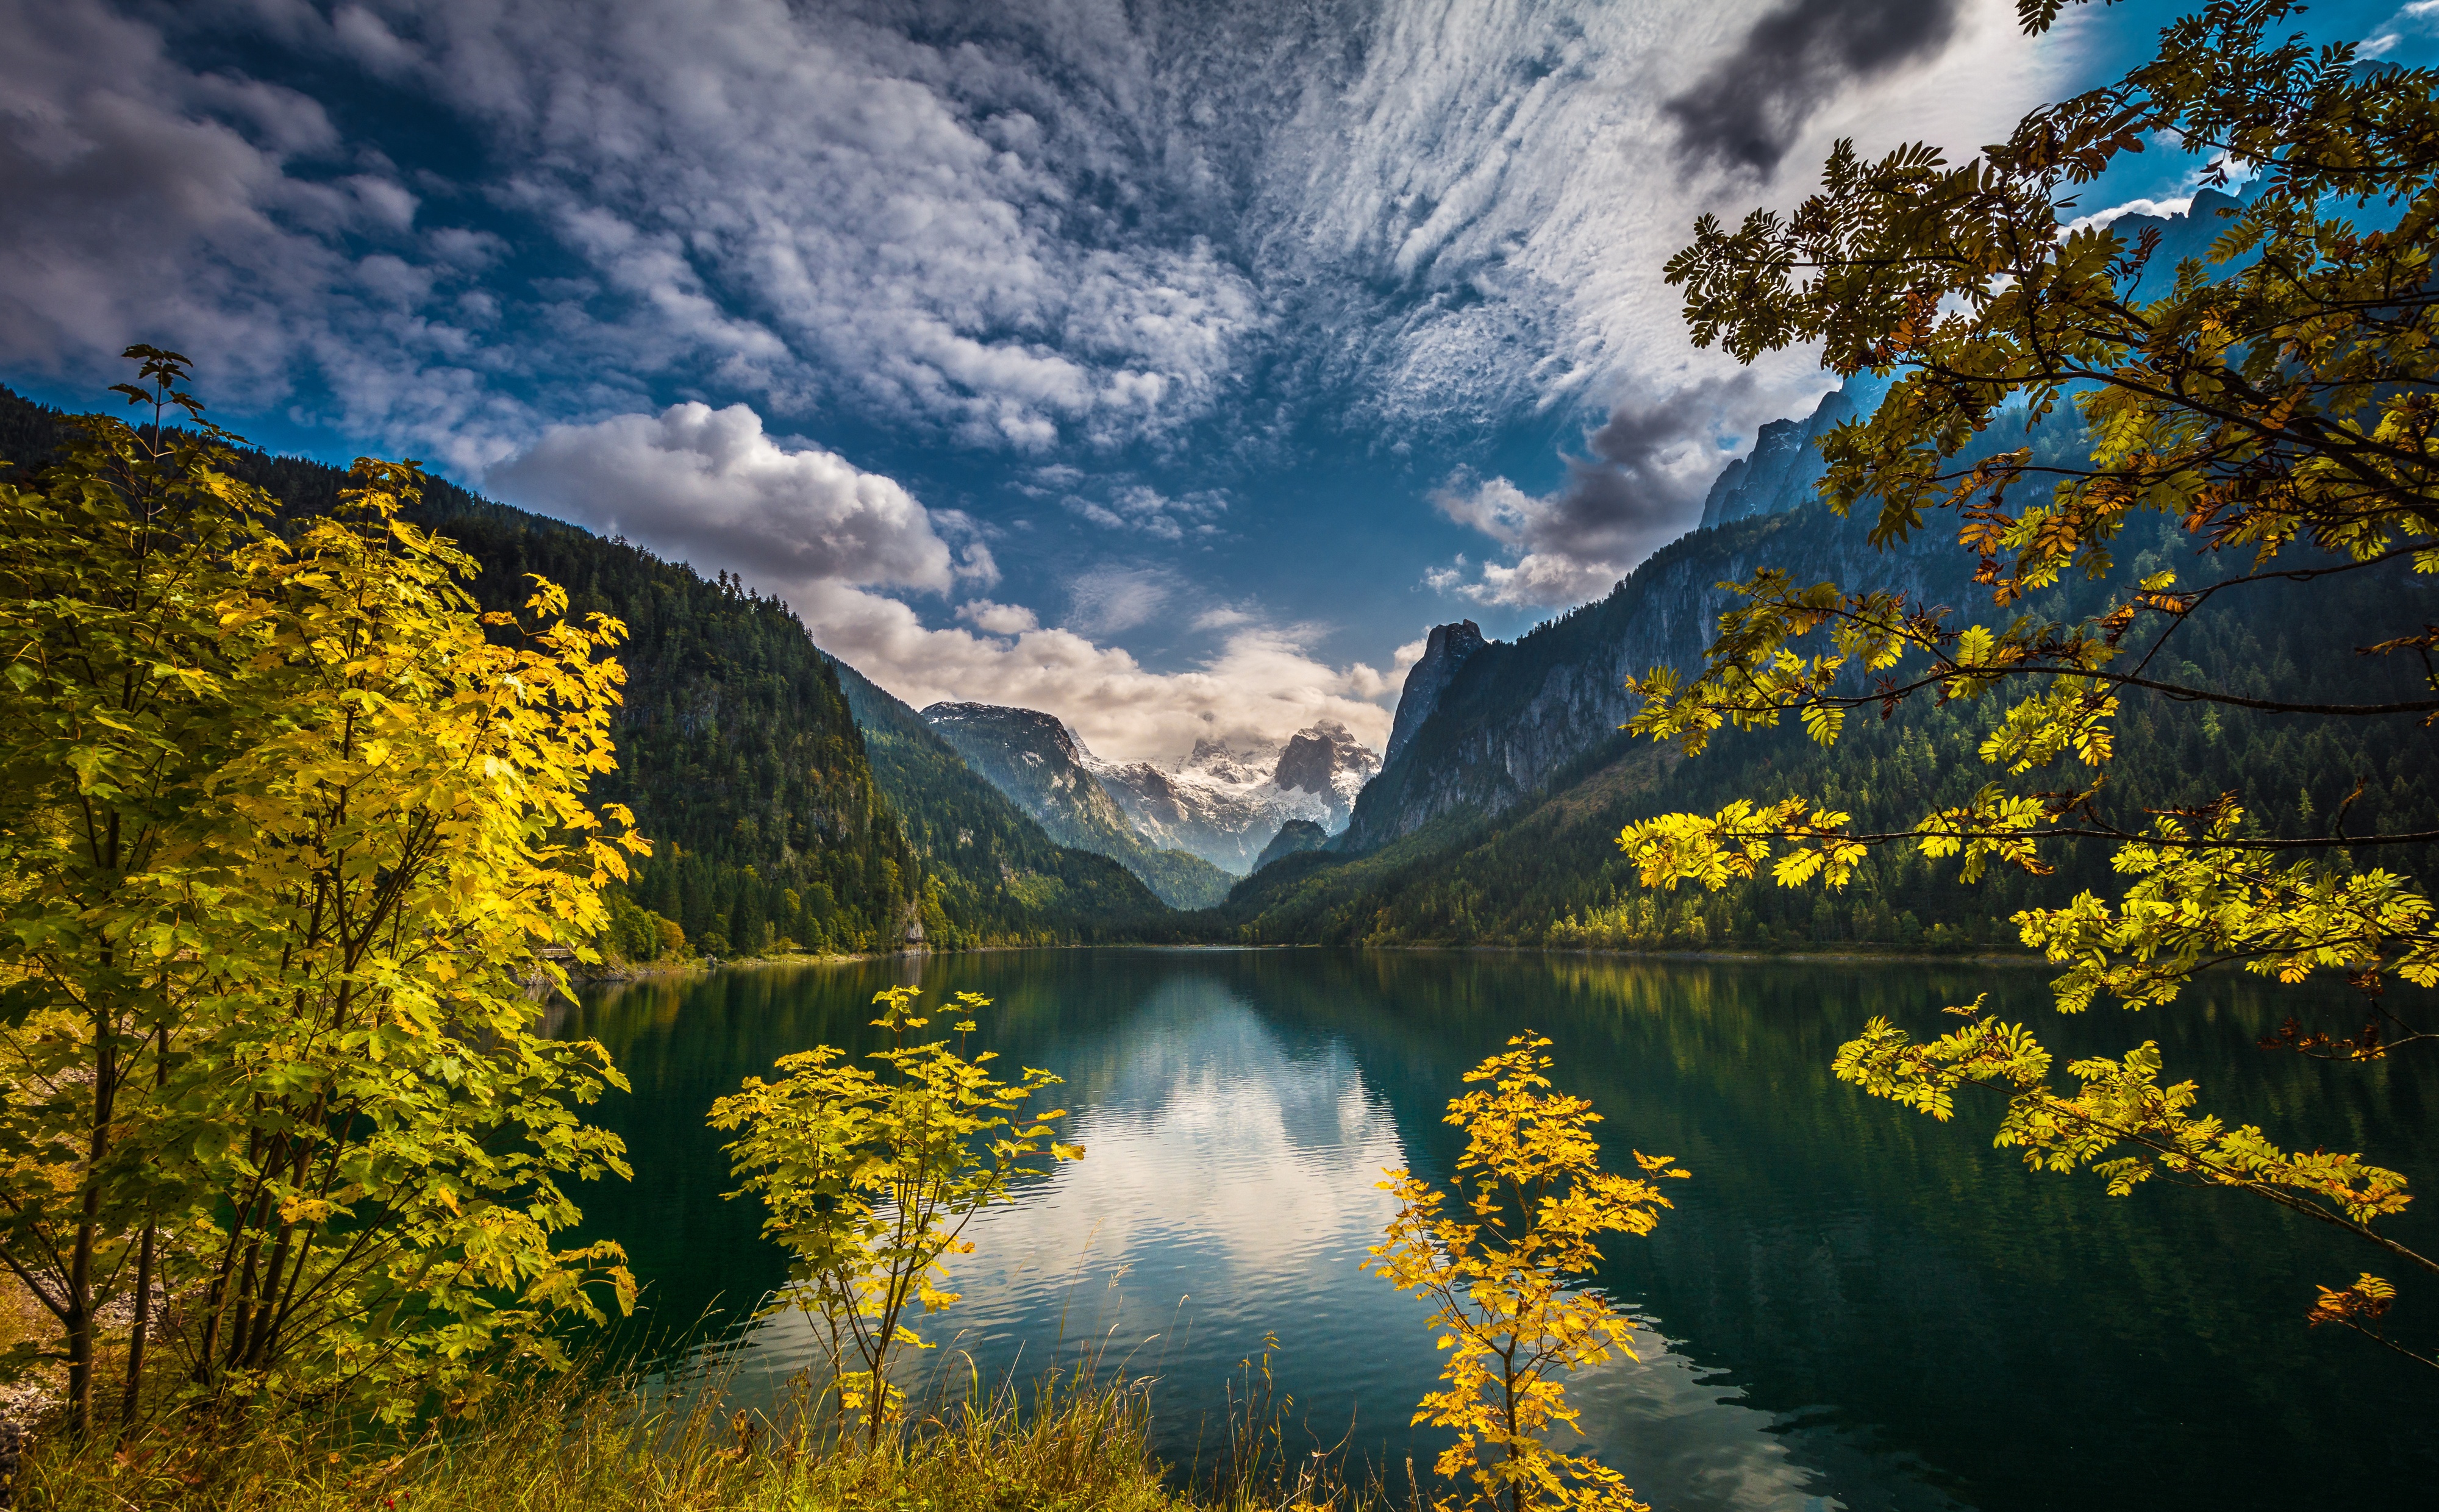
[[1637, 487], [1640, 486], [1751, 107], [1635, 479]]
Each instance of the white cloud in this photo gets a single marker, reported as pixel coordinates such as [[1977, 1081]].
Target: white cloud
[[1108, 600], [1501, 176], [2419, 18], [998, 619], [1261, 685], [1134, 507], [795, 207], [1638, 486], [2236, 174], [710, 487], [2100, 220], [1059, 224], [883, 232], [227, 217]]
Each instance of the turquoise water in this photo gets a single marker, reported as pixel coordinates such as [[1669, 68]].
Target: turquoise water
[[1851, 1305]]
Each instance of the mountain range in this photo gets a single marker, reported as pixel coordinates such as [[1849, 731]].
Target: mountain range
[[1040, 765], [1188, 830], [1225, 803]]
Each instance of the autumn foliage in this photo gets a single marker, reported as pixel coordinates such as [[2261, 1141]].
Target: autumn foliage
[[1504, 1265], [2267, 411]]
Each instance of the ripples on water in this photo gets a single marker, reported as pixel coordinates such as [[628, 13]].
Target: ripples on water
[[1860, 1308]]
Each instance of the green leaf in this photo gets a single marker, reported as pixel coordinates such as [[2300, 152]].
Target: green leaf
[[20, 999]]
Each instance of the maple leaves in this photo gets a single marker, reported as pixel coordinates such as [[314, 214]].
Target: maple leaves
[[283, 833], [869, 1178]]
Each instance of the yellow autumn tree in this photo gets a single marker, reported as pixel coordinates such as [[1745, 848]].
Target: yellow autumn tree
[[868, 1178], [1506, 1272], [116, 699], [287, 828]]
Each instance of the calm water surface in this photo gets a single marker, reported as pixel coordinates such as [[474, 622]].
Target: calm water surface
[[1850, 1306]]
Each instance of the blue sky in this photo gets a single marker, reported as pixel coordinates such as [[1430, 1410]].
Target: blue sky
[[1168, 367]]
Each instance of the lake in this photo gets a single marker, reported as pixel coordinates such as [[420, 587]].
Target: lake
[[1850, 1304]]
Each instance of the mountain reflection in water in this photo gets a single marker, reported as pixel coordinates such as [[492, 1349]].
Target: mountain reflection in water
[[1861, 1308]]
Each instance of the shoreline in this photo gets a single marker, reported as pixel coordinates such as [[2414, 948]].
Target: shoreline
[[1722, 956]]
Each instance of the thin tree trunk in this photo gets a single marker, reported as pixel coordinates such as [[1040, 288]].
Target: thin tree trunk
[[242, 1321], [1515, 1488], [77, 1320], [216, 1298], [257, 1349], [143, 1323], [78, 1314], [245, 1297], [144, 1257], [221, 1296]]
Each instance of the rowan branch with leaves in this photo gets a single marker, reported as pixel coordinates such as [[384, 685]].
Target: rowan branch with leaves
[[2273, 404]]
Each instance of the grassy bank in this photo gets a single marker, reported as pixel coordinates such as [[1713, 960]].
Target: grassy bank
[[570, 1447]]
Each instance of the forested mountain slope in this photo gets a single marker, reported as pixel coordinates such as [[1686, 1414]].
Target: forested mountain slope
[[974, 830], [1509, 718], [740, 753], [1515, 715], [1499, 822]]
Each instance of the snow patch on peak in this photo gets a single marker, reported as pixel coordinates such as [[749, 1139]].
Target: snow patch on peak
[[1225, 803]]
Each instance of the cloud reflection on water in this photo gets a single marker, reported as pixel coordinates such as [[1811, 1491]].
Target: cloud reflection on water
[[1229, 1191]]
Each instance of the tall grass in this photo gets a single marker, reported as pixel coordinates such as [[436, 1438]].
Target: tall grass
[[570, 1445]]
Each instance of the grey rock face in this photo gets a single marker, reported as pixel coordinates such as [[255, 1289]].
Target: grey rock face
[[1018, 729], [1516, 714], [1326, 760], [1448, 648], [1224, 803], [1033, 758], [1038, 762], [1783, 471]]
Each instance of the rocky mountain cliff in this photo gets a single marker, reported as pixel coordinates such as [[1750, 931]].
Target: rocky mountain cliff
[[1447, 649], [1783, 469], [1514, 717], [974, 834], [1225, 804], [1034, 759], [1328, 762]]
